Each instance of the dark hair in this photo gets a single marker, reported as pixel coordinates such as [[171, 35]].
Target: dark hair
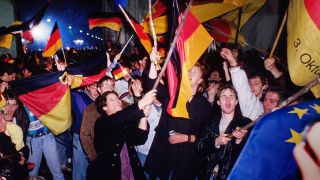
[[7, 68], [104, 78], [263, 79], [225, 86], [101, 101], [278, 90]]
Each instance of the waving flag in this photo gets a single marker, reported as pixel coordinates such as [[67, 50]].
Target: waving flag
[[249, 8], [47, 96], [54, 42], [109, 20], [208, 9], [188, 51], [223, 31], [160, 20], [268, 153], [27, 25], [27, 35], [303, 27]]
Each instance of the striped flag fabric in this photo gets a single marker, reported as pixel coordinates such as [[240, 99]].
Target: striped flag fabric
[[54, 42], [27, 35], [112, 21], [249, 8], [119, 72], [188, 51], [303, 39], [47, 95], [208, 9], [224, 31], [142, 35]]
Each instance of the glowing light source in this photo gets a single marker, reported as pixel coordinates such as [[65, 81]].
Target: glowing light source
[[88, 34], [41, 32], [81, 31], [48, 20], [78, 42], [70, 27]]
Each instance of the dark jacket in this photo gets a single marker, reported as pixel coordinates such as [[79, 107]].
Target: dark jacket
[[179, 159], [111, 133], [226, 155]]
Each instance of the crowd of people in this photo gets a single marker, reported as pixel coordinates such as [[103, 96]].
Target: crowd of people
[[121, 129]]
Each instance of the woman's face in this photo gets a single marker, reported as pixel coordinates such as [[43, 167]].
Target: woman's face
[[113, 104], [195, 75]]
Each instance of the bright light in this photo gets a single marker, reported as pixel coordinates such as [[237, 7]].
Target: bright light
[[67, 48], [92, 36], [70, 27], [48, 20], [41, 32], [88, 34], [78, 42], [97, 37], [81, 31]]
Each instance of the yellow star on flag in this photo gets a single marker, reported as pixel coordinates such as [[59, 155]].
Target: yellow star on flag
[[296, 137], [299, 112], [316, 107]]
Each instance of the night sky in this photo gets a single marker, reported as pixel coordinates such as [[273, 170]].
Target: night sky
[[67, 13]]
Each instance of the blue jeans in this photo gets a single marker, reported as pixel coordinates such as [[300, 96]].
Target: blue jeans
[[79, 160], [142, 159], [63, 145], [47, 145]]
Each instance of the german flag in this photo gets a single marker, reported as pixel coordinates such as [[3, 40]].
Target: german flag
[[303, 28], [119, 72], [27, 35], [109, 20], [223, 31], [54, 42], [27, 25], [48, 96], [249, 8], [188, 51], [208, 9], [159, 18], [142, 35]]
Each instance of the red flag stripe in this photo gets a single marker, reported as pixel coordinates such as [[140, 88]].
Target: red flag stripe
[[42, 101], [221, 30], [313, 9], [98, 21], [53, 39]]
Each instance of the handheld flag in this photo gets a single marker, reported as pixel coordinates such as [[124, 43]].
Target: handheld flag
[[47, 96], [188, 51], [206, 10], [223, 31], [6, 41], [249, 8], [54, 42], [138, 29], [119, 72], [303, 27], [268, 153], [112, 21]]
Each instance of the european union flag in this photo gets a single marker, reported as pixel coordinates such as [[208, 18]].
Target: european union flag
[[268, 153]]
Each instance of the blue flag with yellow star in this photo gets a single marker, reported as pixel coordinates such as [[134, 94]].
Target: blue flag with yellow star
[[268, 153]]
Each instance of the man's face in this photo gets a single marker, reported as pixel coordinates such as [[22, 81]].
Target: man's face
[[9, 77], [256, 86], [105, 86], [271, 101], [113, 104], [215, 76], [92, 89], [195, 75], [227, 101]]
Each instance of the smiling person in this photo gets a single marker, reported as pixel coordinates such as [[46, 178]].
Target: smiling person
[[220, 150], [116, 133]]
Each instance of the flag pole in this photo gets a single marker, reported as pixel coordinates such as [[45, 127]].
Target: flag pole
[[127, 43], [126, 15], [238, 27], [173, 44], [278, 35], [154, 35], [285, 103]]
